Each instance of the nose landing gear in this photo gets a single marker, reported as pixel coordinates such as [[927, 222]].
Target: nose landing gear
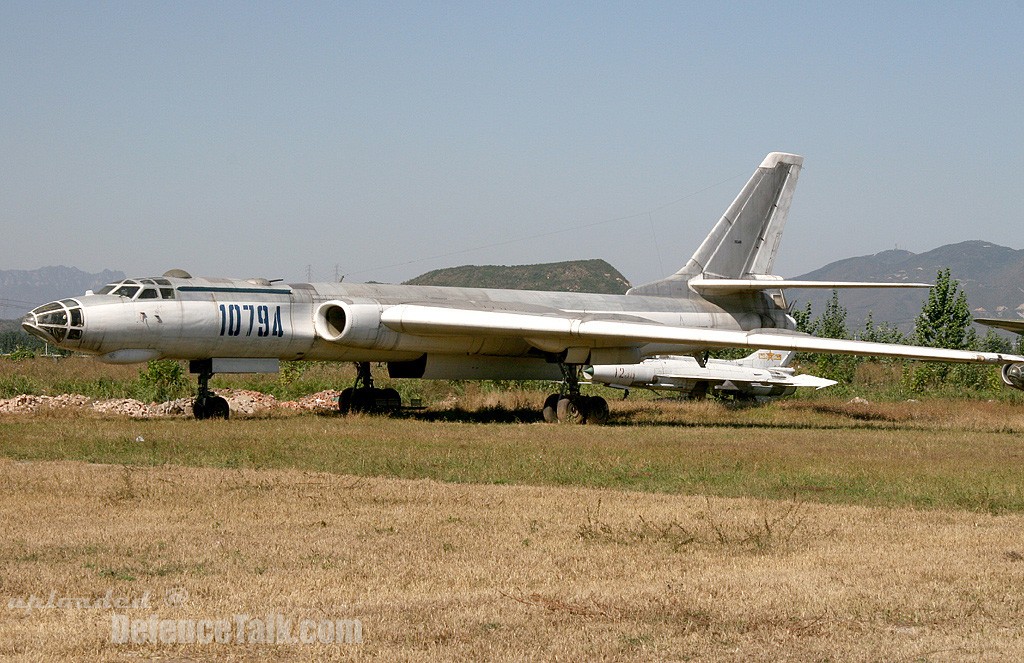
[[207, 404]]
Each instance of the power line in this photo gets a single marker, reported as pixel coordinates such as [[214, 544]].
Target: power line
[[16, 302]]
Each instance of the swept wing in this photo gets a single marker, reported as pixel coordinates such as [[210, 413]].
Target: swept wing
[[550, 331]]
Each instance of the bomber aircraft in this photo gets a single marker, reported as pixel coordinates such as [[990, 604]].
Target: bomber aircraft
[[762, 375], [724, 296]]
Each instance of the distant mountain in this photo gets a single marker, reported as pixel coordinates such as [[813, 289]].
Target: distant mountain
[[22, 290], [573, 276], [991, 275]]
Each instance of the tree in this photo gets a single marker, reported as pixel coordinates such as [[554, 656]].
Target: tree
[[882, 333], [992, 341], [803, 320], [945, 320], [11, 340], [832, 324]]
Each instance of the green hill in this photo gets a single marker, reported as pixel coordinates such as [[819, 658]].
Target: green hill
[[572, 276]]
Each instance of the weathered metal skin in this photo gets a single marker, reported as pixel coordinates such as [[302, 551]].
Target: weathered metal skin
[[331, 321]]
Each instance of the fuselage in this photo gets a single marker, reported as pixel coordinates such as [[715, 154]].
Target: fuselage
[[174, 317]]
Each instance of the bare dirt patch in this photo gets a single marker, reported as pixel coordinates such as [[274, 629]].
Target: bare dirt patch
[[241, 401]]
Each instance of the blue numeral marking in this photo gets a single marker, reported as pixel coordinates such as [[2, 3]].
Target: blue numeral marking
[[264, 320], [252, 317], [234, 319], [259, 318], [278, 329]]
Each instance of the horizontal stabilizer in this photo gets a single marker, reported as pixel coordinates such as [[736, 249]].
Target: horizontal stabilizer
[[1009, 325], [730, 286], [804, 380]]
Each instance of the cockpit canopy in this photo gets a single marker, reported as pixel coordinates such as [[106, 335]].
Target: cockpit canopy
[[57, 321], [156, 288]]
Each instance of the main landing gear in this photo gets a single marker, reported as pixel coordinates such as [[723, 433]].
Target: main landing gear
[[207, 404], [364, 397], [570, 406]]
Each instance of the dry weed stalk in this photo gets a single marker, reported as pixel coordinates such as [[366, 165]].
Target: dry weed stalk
[[591, 608], [772, 527]]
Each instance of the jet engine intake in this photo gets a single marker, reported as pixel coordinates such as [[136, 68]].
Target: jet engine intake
[[1013, 375], [355, 324]]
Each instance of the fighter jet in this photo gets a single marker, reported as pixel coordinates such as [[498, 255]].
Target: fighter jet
[[764, 374], [724, 296], [1012, 374]]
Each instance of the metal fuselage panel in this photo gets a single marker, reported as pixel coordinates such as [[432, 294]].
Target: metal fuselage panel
[[233, 318]]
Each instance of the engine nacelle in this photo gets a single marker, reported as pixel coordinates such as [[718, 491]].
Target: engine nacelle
[[1013, 375], [355, 324]]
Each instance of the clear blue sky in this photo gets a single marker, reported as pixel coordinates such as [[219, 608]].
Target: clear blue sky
[[389, 138]]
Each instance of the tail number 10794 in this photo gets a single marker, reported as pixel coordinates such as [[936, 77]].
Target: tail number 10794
[[244, 319]]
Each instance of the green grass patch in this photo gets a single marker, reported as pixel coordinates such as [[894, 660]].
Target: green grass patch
[[873, 463]]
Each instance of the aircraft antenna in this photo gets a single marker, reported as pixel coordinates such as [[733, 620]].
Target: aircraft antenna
[[655, 243]]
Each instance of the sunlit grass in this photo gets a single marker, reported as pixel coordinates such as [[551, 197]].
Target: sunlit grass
[[874, 455]]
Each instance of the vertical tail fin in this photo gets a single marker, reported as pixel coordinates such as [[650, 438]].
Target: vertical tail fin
[[745, 240]]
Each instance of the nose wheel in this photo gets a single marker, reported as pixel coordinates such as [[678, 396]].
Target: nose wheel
[[207, 404], [213, 407]]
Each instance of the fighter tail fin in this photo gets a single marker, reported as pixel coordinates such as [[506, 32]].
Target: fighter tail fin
[[767, 359]]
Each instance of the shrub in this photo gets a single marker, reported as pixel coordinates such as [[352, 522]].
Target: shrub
[[163, 379]]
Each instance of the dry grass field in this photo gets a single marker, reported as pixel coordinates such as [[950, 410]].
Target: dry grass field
[[808, 529], [447, 571]]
